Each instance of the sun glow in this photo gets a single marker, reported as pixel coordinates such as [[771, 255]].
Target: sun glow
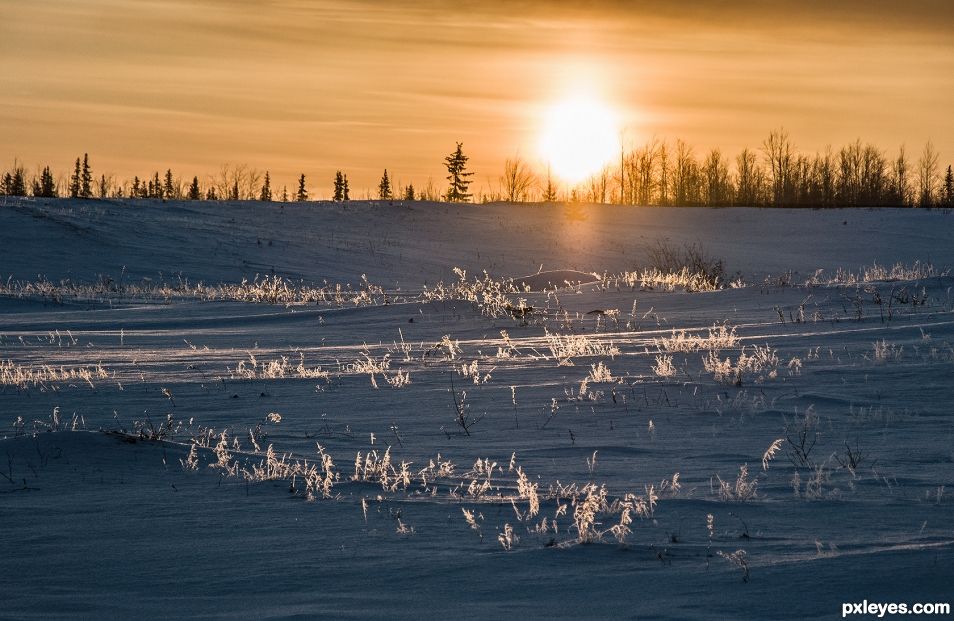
[[579, 137]]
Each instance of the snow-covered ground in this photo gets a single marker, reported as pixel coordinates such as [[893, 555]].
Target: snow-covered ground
[[517, 442]]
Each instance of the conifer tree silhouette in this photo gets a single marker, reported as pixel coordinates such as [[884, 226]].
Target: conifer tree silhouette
[[456, 164], [86, 179], [194, 192], [75, 180], [266, 193], [339, 187], [384, 188]]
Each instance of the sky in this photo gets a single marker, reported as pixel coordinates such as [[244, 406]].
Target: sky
[[313, 86]]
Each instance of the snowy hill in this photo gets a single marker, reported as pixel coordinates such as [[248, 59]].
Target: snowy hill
[[413, 243]]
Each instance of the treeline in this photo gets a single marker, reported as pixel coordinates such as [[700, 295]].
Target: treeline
[[671, 174], [657, 173], [233, 183]]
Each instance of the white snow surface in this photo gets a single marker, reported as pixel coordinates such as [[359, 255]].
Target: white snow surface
[[99, 521]]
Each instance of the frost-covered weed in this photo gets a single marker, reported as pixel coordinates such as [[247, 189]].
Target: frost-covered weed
[[876, 273], [491, 296], [599, 372], [446, 348], [399, 379], [260, 290], [471, 370], [279, 368], [719, 337], [528, 491], [507, 537], [663, 366], [770, 452], [24, 376], [471, 518], [583, 393], [739, 560], [191, 461], [564, 348], [366, 364], [586, 510], [762, 363], [742, 489], [673, 267], [886, 352]]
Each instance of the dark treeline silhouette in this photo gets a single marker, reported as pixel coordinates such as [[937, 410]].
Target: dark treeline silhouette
[[657, 173], [855, 175], [660, 173]]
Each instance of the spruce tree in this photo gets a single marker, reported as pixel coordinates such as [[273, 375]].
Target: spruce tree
[[338, 195], [6, 183], [103, 187], [384, 188], [156, 187], [86, 181], [169, 188], [75, 180], [194, 193], [211, 195], [266, 194], [344, 188], [456, 164], [15, 183], [409, 192], [47, 183], [284, 193], [302, 194]]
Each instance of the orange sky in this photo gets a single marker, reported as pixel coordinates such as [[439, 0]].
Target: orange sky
[[313, 86]]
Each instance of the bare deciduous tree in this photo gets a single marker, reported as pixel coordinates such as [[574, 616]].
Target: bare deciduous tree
[[900, 182], [237, 182], [664, 175], [716, 187], [927, 175], [778, 152], [517, 180], [684, 175], [748, 176], [825, 174], [597, 186]]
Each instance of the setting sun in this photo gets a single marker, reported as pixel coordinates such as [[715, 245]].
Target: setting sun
[[578, 138]]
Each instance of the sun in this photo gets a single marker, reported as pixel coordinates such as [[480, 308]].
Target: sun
[[579, 136]]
